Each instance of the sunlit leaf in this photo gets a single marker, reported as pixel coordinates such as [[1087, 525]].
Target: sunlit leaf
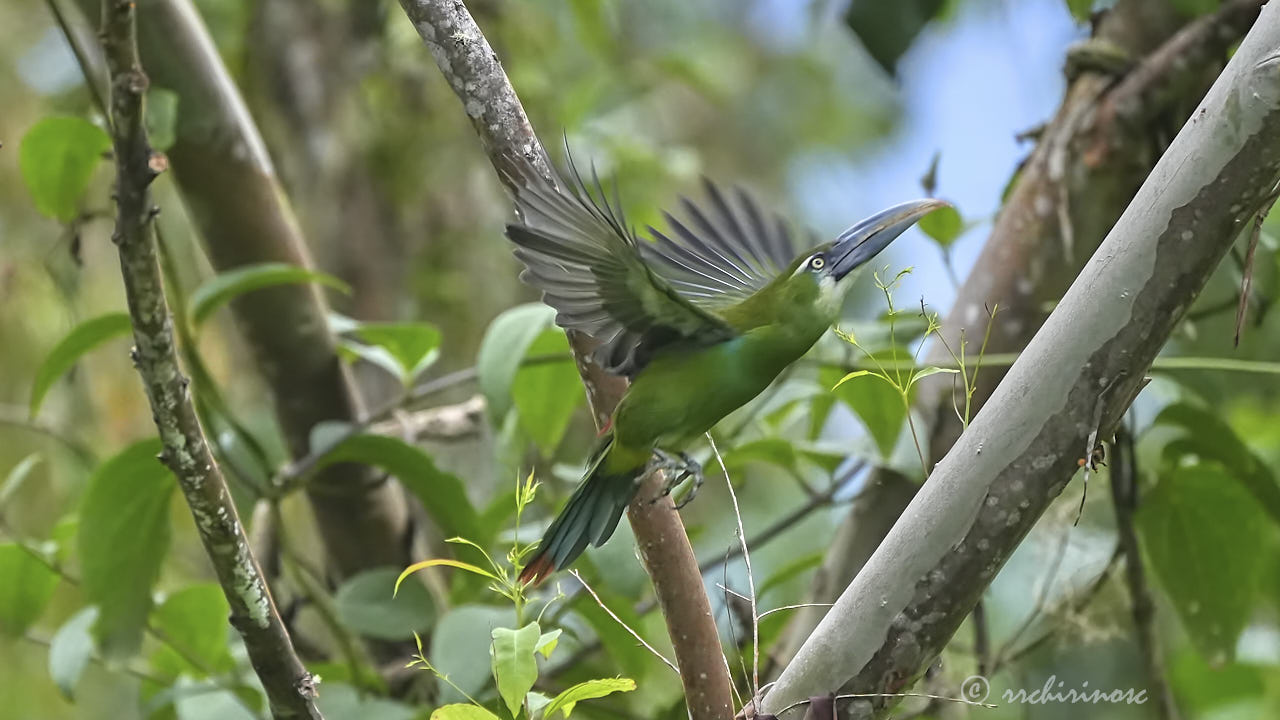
[[70, 650], [850, 376], [548, 641], [82, 338], [412, 346], [1204, 535], [514, 668], [373, 604], [57, 158], [462, 711], [26, 584], [589, 690], [225, 287], [124, 536], [441, 562], [879, 406], [943, 225]]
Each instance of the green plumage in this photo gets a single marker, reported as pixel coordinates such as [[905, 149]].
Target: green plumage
[[700, 319]]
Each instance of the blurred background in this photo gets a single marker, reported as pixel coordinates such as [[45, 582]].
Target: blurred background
[[826, 111]]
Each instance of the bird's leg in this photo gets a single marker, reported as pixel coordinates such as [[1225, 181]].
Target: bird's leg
[[691, 468]]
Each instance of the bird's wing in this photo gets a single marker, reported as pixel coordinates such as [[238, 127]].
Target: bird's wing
[[577, 249], [723, 254]]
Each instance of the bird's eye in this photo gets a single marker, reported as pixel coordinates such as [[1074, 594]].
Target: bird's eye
[[817, 263]]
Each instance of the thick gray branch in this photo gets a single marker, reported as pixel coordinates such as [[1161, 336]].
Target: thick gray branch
[[288, 685], [1075, 378]]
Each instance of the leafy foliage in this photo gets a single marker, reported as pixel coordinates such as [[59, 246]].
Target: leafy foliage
[[57, 158], [82, 338]]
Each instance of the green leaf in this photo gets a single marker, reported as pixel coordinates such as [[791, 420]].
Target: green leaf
[[441, 493], [922, 373], [514, 668], [1209, 436], [70, 650], [944, 225], [371, 604], [1203, 533], [161, 117], [548, 641], [546, 395], [462, 711], [588, 690], [17, 476], [225, 287], [505, 344], [26, 584], [194, 621], [439, 562], [458, 647], [879, 406], [57, 158], [124, 536], [1080, 9], [82, 338], [412, 347]]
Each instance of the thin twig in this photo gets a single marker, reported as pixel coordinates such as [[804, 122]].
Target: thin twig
[[625, 626], [797, 606], [751, 581], [289, 687]]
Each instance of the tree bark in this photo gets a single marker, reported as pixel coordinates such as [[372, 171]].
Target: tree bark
[[477, 78], [289, 687], [1070, 386]]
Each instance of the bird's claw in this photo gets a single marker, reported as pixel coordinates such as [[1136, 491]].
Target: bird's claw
[[678, 470]]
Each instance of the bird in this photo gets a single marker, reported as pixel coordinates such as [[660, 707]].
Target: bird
[[700, 319]]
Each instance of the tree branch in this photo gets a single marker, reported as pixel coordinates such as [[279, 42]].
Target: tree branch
[[363, 522], [1074, 380], [477, 78], [289, 687]]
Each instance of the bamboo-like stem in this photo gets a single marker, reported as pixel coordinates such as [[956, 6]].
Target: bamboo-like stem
[[289, 687]]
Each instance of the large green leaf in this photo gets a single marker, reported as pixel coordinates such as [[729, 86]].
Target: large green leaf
[[462, 711], [1205, 534], [588, 690], [193, 621], [505, 344], [441, 493], [124, 536], [546, 395], [402, 349], [943, 225], [70, 650], [458, 647], [225, 287], [879, 406], [368, 605], [26, 584], [515, 669], [1207, 435], [82, 338], [57, 158]]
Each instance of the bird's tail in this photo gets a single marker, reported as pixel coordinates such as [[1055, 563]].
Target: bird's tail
[[590, 516]]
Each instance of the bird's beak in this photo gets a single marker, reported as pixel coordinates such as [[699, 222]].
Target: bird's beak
[[866, 239]]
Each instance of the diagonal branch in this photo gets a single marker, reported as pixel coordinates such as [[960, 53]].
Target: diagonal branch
[[289, 687], [477, 78], [1074, 379]]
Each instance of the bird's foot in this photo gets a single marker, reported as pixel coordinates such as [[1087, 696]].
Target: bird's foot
[[678, 469]]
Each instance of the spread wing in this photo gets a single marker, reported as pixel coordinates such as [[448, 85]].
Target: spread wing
[[638, 297]]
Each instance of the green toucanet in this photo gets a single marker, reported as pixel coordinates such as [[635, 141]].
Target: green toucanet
[[701, 319]]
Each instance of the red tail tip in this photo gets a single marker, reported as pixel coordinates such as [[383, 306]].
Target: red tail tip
[[537, 571]]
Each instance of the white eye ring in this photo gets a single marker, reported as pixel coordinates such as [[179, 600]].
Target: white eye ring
[[816, 262]]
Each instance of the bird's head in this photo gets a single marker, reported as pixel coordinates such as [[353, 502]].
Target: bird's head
[[831, 266]]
